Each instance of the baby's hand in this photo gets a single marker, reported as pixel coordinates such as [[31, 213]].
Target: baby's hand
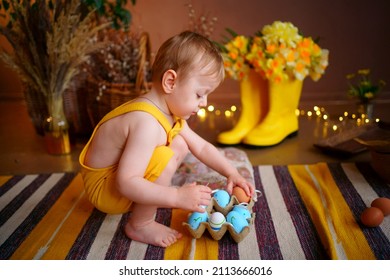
[[238, 180], [192, 197]]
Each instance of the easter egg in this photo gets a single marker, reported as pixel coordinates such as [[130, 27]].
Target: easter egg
[[242, 210], [371, 217], [240, 194], [222, 197], [383, 204], [237, 221], [217, 219], [196, 218]]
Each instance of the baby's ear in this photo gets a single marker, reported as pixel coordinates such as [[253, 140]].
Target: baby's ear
[[168, 80]]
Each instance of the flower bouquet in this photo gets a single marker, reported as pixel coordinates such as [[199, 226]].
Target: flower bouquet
[[362, 87], [278, 52], [271, 67]]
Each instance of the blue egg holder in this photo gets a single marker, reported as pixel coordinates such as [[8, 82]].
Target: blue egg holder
[[226, 227]]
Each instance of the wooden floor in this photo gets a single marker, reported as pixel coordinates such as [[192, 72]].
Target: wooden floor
[[23, 152]]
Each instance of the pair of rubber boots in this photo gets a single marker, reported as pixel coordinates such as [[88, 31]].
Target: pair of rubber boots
[[268, 112]]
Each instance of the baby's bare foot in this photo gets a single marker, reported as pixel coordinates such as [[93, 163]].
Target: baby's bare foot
[[152, 233]]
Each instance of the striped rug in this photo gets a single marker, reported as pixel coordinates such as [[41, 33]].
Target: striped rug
[[304, 212]]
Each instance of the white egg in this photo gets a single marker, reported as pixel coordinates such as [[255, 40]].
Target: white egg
[[216, 220]]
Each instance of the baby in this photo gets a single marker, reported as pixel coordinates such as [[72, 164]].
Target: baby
[[134, 151]]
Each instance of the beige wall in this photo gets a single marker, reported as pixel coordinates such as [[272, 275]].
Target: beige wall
[[357, 33]]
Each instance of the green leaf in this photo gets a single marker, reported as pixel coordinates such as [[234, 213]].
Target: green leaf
[[258, 33], [51, 5], [221, 46], [5, 5], [13, 16], [115, 11], [231, 32], [99, 4], [34, 7]]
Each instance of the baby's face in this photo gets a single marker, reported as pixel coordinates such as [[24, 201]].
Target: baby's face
[[191, 93]]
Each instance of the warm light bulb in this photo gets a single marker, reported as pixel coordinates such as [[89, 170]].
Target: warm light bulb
[[334, 127], [228, 114], [309, 113], [210, 108], [202, 113], [325, 117], [341, 119], [233, 108]]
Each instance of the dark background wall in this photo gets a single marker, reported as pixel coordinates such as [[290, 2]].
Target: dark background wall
[[356, 32]]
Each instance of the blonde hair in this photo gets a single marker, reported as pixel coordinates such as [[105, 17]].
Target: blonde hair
[[185, 51]]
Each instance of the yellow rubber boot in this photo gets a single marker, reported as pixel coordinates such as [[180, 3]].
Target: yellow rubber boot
[[254, 104], [281, 120]]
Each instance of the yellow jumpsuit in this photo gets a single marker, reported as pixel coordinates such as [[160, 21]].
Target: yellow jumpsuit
[[100, 183]]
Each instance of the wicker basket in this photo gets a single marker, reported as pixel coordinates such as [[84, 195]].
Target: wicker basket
[[104, 96]]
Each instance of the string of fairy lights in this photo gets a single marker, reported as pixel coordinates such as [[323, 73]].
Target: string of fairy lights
[[349, 119], [352, 118], [228, 113]]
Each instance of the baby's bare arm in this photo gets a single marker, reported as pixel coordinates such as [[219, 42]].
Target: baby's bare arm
[[143, 138], [188, 197], [209, 155]]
